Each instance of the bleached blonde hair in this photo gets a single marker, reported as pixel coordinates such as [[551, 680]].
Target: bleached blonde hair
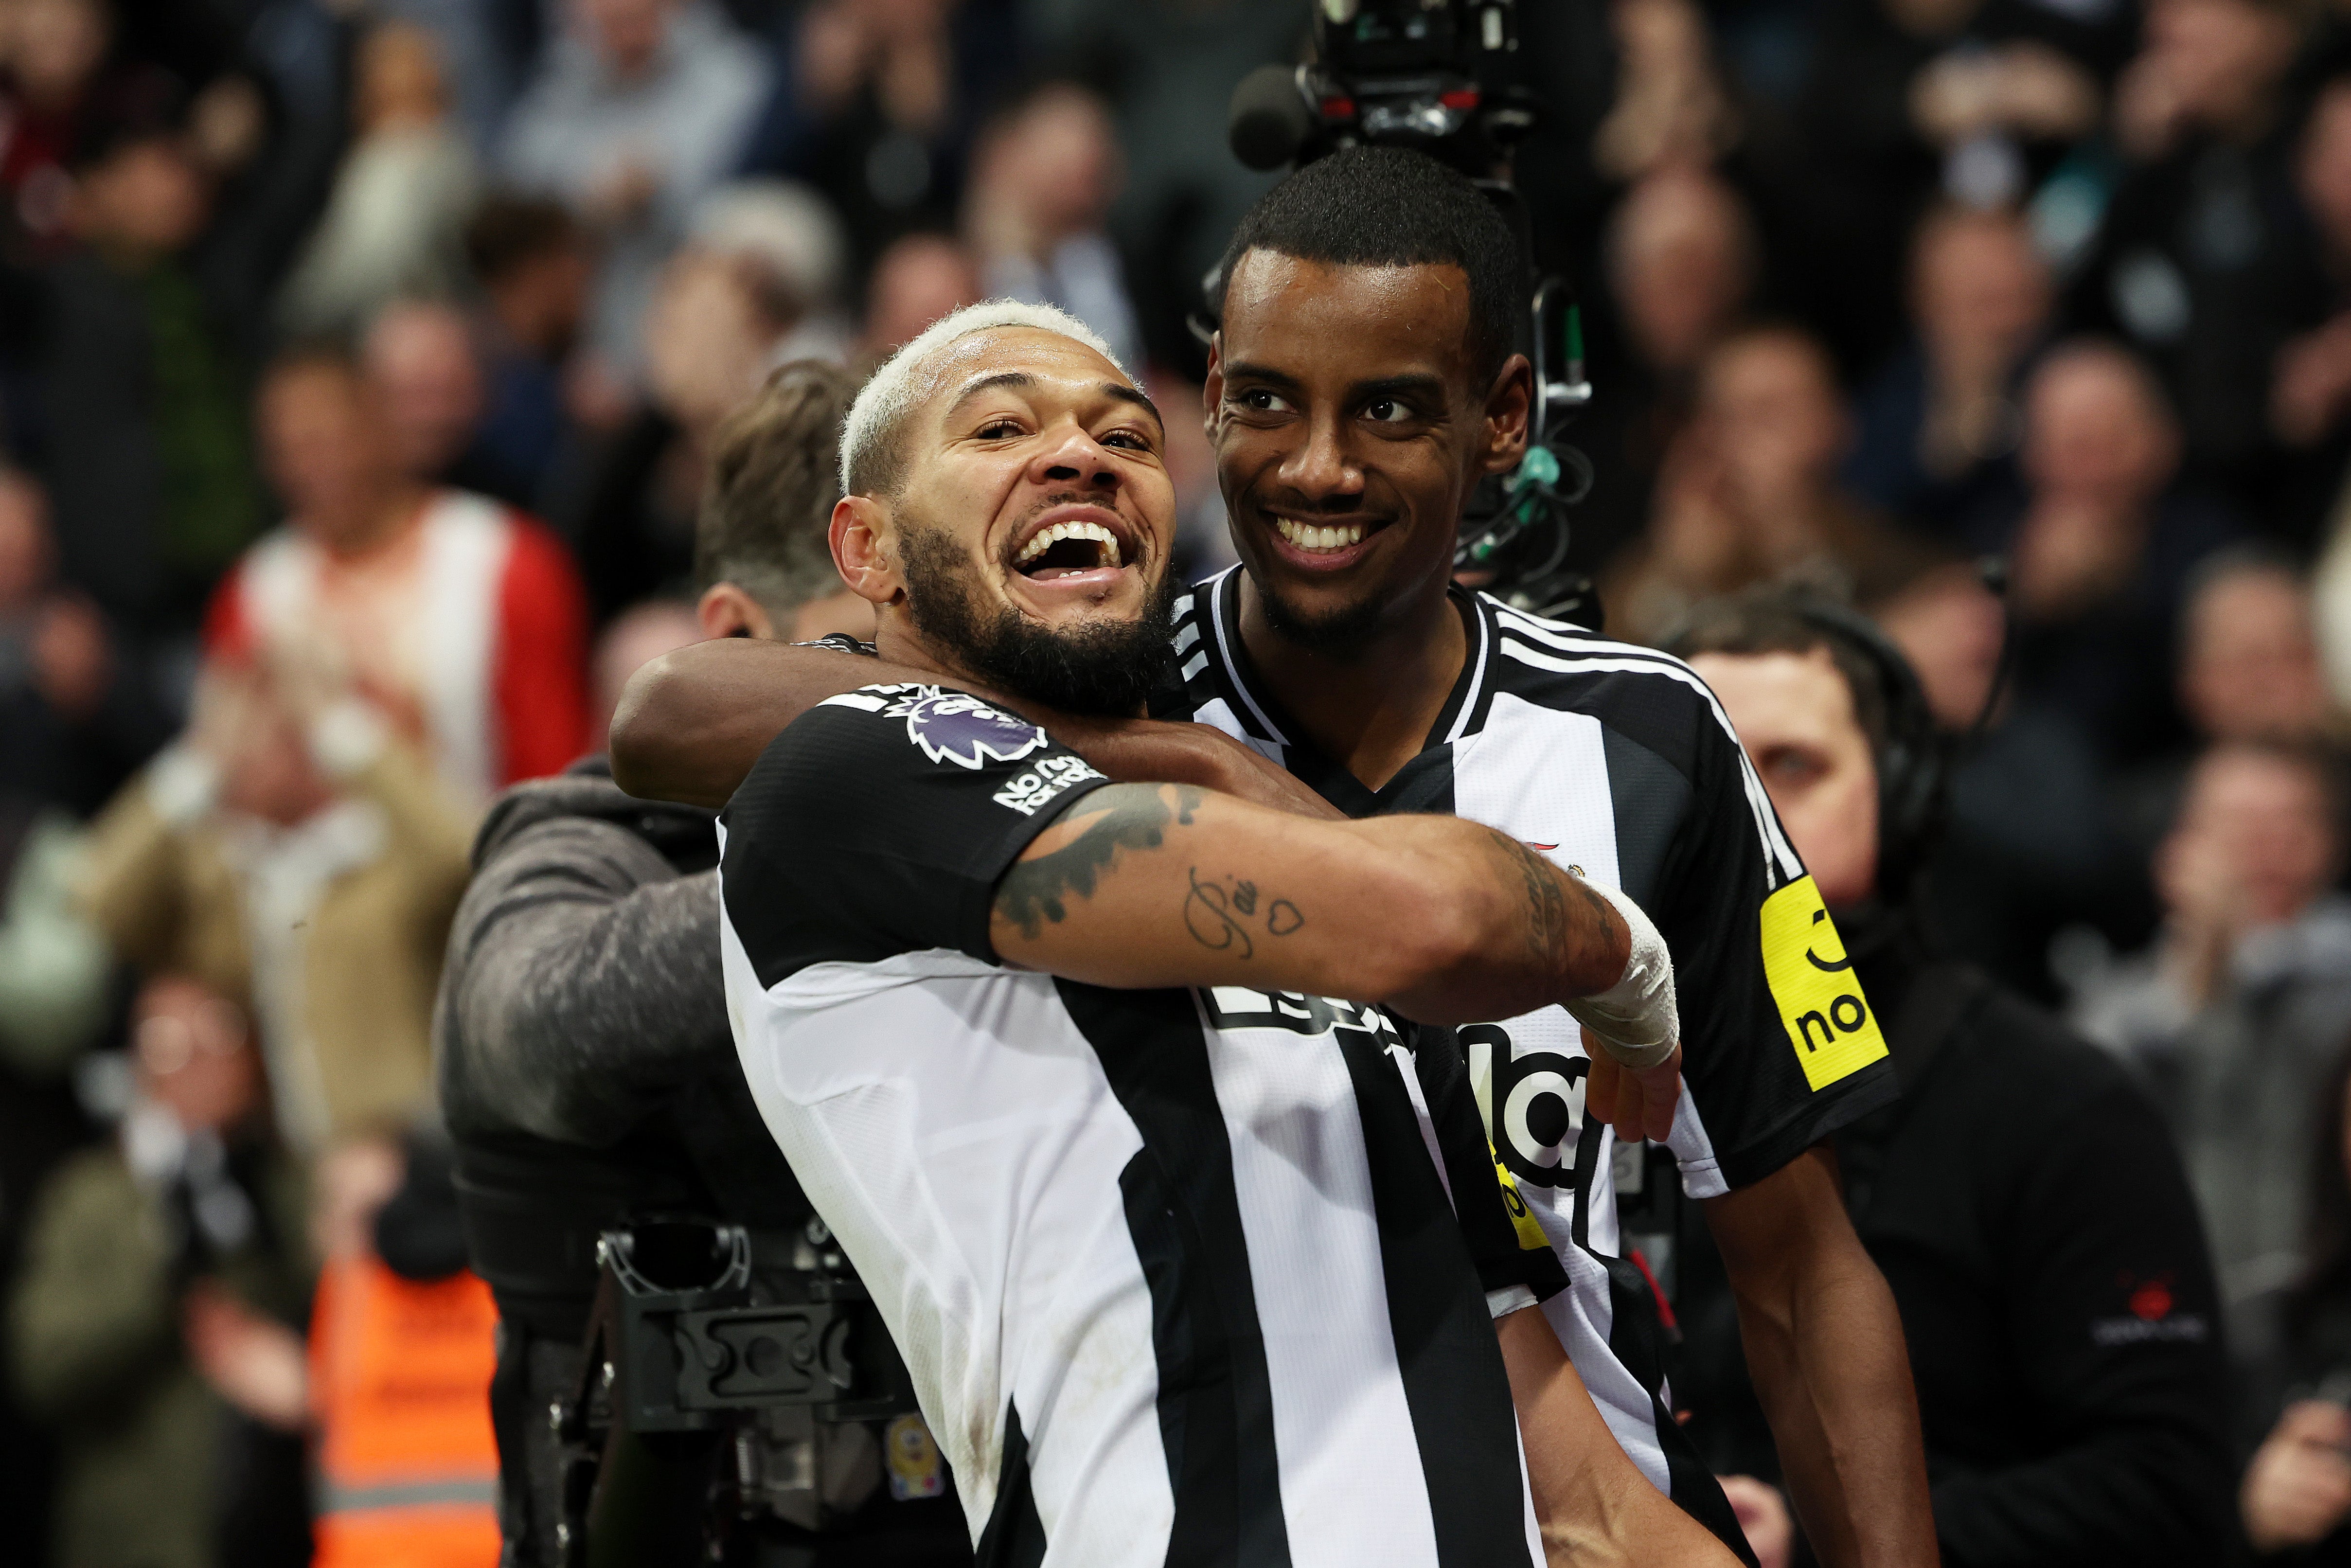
[[870, 457]]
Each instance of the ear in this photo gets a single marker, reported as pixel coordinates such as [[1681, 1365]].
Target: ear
[[725, 611], [864, 549], [1212, 389], [1509, 407]]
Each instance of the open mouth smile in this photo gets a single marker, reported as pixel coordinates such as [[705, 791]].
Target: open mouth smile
[[1071, 544], [1323, 546]]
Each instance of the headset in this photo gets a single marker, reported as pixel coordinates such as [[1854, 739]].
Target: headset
[[1914, 761]]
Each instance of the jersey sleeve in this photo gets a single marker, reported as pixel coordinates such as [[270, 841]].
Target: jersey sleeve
[[880, 822], [1779, 1046], [1506, 1241]]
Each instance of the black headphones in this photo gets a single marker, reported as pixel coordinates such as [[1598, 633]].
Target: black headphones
[[1913, 758]]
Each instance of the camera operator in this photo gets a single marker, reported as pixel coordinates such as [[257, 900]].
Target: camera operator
[[2022, 1198], [586, 1068]]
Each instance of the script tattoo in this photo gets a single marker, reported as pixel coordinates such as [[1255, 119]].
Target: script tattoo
[[1549, 937], [1216, 917], [1121, 817]]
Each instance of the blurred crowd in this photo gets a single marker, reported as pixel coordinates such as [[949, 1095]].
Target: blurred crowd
[[359, 360]]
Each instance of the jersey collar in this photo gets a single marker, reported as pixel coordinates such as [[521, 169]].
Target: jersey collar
[[1423, 784]]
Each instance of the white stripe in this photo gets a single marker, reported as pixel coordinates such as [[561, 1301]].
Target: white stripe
[[1224, 650], [1352, 1489], [464, 546], [1779, 856], [1476, 682], [1187, 635], [855, 700], [1196, 663]]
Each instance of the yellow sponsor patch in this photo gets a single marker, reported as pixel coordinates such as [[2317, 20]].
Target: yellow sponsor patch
[[1523, 1220], [1828, 1019]]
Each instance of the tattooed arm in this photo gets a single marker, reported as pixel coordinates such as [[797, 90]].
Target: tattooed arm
[[1166, 884]]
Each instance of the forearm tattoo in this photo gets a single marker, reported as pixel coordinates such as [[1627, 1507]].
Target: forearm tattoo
[[1122, 816], [1549, 938], [1222, 915]]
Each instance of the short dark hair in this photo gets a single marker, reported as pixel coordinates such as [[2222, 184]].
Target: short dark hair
[[774, 478], [1385, 207], [1773, 620], [507, 231]]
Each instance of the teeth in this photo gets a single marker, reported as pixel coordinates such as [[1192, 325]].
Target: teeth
[[1045, 540], [1308, 538]]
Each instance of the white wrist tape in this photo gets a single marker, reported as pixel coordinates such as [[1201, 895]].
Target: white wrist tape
[[1634, 1019]]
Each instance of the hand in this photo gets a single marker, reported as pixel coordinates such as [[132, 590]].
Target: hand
[[2311, 381], [1763, 1516], [254, 1363], [1638, 1102], [2298, 1488], [1151, 751]]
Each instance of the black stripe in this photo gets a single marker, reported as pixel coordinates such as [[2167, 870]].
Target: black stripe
[[1216, 1400], [1454, 1380], [1014, 1536], [1636, 1339]]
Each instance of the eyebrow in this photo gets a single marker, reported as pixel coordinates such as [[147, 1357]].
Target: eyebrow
[[1119, 390], [1362, 391]]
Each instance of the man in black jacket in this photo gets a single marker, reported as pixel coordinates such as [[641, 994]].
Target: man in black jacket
[[2021, 1199]]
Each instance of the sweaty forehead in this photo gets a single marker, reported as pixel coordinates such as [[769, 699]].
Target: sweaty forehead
[[1372, 319]]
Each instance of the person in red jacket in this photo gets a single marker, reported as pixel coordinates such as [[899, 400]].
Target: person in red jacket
[[461, 620]]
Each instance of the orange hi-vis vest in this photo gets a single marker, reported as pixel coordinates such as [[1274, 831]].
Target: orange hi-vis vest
[[400, 1382]]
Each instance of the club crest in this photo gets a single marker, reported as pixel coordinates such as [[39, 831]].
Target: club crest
[[955, 727]]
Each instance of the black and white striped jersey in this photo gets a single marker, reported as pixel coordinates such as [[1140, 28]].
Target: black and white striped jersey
[[1178, 1275], [1616, 761]]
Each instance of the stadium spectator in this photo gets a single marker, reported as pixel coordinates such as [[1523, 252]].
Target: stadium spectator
[[637, 109], [402, 194], [54, 53], [1749, 491], [2103, 543], [2310, 386], [460, 619], [2200, 252], [636, 636], [877, 105], [151, 1322], [146, 453], [2054, 1287], [2238, 1011], [1941, 419], [296, 858], [421, 360], [2248, 664], [1681, 261], [1044, 175], [532, 264], [917, 280]]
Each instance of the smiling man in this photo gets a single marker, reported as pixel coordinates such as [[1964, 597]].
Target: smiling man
[[1187, 1263]]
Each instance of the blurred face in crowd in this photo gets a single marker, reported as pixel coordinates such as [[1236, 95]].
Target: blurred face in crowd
[[1950, 627], [2220, 57], [55, 47], [636, 637], [2095, 429], [324, 442], [24, 543], [191, 1055], [1979, 289], [708, 335], [1678, 260], [1056, 163], [1027, 537], [628, 34], [400, 79], [919, 279], [1767, 406], [2256, 838], [2250, 668], [2324, 175], [428, 385], [147, 198], [1351, 424], [1794, 714]]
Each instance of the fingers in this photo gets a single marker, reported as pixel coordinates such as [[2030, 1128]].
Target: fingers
[[2316, 1421], [1661, 1093]]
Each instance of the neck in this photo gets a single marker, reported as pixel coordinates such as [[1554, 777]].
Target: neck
[[1368, 707], [373, 527]]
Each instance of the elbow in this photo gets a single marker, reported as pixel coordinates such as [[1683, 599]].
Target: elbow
[[636, 736], [1437, 961]]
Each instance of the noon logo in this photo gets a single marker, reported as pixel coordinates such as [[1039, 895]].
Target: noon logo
[[1828, 1019]]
